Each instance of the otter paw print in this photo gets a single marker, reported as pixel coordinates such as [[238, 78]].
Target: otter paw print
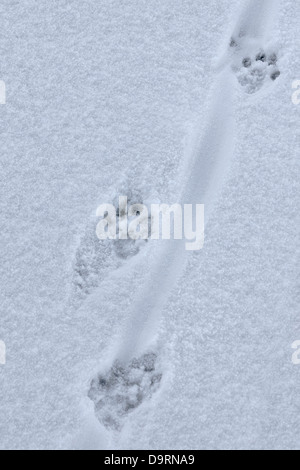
[[254, 69], [123, 389]]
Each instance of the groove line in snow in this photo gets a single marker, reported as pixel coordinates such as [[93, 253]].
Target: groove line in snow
[[208, 161]]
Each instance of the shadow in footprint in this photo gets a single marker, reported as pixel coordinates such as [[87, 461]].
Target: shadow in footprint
[[123, 389], [95, 258], [255, 68]]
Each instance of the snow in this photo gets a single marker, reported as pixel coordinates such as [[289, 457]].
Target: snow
[[148, 99]]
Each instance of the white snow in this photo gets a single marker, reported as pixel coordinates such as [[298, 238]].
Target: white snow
[[149, 346]]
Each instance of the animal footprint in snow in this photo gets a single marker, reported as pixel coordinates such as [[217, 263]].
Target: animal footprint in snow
[[126, 248], [253, 69], [123, 389], [95, 258]]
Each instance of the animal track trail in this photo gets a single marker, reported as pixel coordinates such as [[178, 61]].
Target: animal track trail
[[127, 384], [130, 383], [124, 388]]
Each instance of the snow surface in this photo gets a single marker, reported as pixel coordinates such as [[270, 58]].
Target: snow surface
[[149, 346]]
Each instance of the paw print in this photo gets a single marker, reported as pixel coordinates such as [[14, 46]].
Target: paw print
[[255, 69], [128, 248], [94, 257], [254, 72], [123, 389]]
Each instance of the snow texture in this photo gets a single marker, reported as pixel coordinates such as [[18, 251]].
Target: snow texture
[[144, 345]]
